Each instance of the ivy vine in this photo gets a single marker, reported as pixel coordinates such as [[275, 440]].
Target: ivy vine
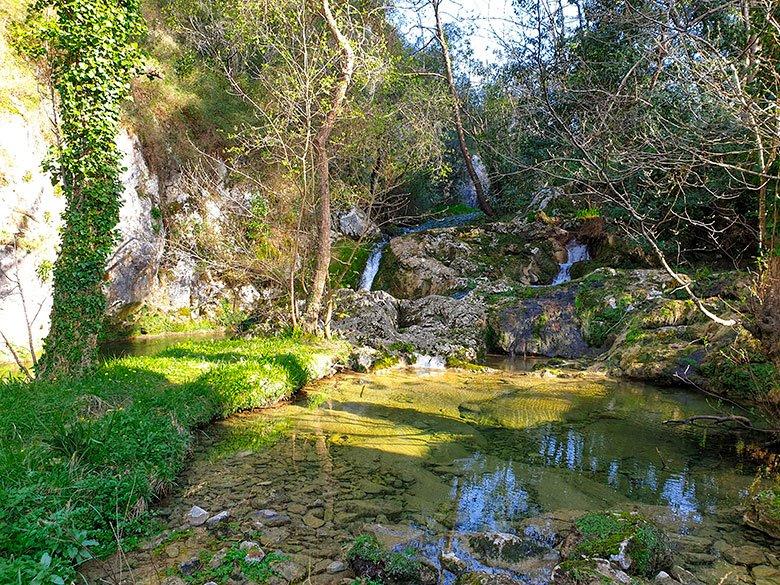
[[90, 50]]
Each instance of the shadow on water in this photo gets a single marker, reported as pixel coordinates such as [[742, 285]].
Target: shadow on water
[[441, 457]]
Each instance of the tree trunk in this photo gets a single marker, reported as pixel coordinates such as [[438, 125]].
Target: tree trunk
[[482, 200], [322, 166]]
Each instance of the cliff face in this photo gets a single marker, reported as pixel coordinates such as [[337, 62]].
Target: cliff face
[[147, 267]]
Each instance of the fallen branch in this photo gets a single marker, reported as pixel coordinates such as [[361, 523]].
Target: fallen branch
[[715, 419]]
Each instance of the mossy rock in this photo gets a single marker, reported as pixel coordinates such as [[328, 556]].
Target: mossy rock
[[602, 535], [371, 561], [763, 511]]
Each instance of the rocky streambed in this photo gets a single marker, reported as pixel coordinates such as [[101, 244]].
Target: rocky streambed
[[457, 477]]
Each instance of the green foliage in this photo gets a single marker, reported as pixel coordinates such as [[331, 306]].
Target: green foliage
[[603, 534], [90, 48], [367, 548], [747, 375], [80, 460], [588, 212], [258, 572], [371, 561]]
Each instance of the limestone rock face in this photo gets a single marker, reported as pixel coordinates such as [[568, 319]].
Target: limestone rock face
[[356, 224], [433, 325], [447, 260], [133, 267], [546, 326]]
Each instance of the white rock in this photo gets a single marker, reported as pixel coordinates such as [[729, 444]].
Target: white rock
[[197, 516]]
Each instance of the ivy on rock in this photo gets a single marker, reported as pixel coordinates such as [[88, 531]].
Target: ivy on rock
[[89, 48]]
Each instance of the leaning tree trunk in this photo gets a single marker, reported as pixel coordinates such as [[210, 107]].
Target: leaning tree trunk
[[322, 166], [482, 200]]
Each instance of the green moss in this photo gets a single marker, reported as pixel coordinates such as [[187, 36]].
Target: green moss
[[603, 534], [386, 361], [348, 262], [742, 375], [79, 457], [371, 561], [455, 362]]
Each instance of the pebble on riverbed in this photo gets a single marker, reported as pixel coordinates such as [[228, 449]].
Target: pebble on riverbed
[[197, 516]]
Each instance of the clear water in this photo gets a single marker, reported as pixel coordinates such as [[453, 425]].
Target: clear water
[[441, 456]]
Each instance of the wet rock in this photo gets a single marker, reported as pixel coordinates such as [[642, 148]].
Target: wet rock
[[291, 571], [190, 566], [745, 555], [272, 518], [547, 326], [452, 563], [508, 548], [336, 567], [394, 536], [765, 575], [476, 578], [197, 516], [296, 508], [312, 521], [217, 519]]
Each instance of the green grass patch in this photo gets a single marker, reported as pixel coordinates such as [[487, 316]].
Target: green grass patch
[[80, 460]]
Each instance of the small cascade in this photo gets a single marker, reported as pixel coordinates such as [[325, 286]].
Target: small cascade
[[372, 265], [467, 193], [375, 258], [575, 252]]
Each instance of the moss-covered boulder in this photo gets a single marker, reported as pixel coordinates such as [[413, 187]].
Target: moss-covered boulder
[[613, 542], [447, 260], [371, 561], [763, 511]]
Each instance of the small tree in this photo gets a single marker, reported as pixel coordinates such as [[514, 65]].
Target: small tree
[[90, 50]]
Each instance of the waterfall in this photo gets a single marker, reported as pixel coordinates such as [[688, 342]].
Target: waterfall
[[467, 193], [372, 265], [575, 252], [375, 258]]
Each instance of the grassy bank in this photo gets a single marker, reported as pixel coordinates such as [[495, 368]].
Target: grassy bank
[[80, 461]]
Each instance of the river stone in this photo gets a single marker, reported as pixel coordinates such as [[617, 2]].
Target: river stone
[[197, 516], [336, 567], [766, 575], [291, 571], [217, 519], [312, 521], [274, 536], [190, 566], [452, 563], [255, 555], [272, 518], [723, 573], [745, 555], [476, 578], [218, 558], [296, 508]]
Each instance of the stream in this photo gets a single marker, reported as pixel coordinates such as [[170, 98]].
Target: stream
[[434, 460]]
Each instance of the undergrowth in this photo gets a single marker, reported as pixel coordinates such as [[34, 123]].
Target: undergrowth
[[80, 460]]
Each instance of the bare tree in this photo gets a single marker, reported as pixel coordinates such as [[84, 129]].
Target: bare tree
[[321, 141]]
